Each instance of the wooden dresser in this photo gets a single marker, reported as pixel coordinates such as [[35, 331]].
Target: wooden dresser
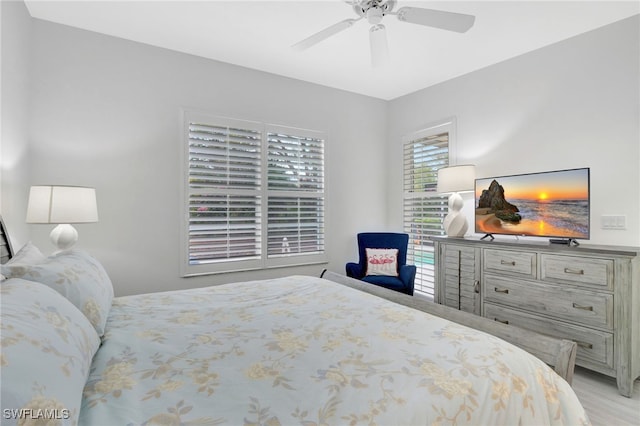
[[589, 294]]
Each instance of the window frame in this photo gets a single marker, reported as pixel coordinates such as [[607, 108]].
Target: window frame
[[263, 261]]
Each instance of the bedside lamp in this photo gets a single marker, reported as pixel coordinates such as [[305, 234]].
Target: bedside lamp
[[454, 180], [62, 205]]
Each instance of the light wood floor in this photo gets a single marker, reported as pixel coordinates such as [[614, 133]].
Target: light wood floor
[[600, 398]]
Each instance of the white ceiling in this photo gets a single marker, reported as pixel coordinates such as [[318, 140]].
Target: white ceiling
[[259, 35]]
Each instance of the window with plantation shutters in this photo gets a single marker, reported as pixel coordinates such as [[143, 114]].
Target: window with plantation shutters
[[254, 195], [295, 175], [423, 209]]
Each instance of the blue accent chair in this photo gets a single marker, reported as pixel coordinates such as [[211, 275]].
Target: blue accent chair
[[404, 282]]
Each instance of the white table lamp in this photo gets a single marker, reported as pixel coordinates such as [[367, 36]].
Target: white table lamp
[[62, 205], [454, 180]]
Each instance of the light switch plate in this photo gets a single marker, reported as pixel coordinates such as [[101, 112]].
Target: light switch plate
[[611, 221]]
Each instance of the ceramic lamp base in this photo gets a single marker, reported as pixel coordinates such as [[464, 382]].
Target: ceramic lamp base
[[64, 236], [455, 223]]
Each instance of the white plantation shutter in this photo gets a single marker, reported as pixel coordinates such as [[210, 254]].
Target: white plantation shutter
[[295, 171], [223, 227], [224, 192], [423, 209], [250, 198]]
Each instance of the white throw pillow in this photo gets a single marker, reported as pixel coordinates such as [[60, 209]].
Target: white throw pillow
[[47, 348], [27, 255], [77, 276], [382, 262]]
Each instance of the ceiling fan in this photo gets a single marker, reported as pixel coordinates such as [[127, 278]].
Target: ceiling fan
[[375, 10]]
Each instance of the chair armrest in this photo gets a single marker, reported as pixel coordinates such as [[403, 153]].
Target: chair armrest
[[408, 276], [354, 270]]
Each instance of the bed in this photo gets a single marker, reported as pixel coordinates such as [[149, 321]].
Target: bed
[[293, 350]]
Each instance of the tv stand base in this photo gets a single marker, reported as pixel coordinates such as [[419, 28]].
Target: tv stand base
[[566, 241]]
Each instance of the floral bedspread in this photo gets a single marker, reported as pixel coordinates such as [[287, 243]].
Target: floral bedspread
[[307, 351]]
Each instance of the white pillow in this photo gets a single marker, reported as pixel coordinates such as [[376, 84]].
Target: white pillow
[[47, 348], [382, 262], [77, 276], [28, 255]]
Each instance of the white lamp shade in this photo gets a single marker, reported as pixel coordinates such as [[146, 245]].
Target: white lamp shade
[[456, 179], [62, 204]]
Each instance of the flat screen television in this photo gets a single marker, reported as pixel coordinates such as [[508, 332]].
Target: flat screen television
[[552, 204]]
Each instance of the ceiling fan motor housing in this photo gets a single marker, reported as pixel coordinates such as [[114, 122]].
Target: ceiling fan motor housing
[[374, 15], [373, 10]]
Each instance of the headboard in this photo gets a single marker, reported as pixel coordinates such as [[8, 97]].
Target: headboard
[[6, 251]]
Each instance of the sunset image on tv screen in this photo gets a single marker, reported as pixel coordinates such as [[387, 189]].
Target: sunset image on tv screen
[[549, 204]]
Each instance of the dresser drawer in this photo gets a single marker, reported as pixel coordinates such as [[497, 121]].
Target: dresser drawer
[[514, 262], [593, 346], [577, 270], [569, 304]]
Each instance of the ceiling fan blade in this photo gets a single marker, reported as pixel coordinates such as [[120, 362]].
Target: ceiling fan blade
[[451, 21], [324, 34], [379, 46]]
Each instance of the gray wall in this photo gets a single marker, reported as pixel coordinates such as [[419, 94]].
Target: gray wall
[[15, 37], [572, 104], [105, 112]]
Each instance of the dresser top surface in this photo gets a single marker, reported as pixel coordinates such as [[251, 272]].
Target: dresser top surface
[[514, 243]]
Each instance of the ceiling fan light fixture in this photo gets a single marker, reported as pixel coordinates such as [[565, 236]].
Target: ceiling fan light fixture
[[379, 46]]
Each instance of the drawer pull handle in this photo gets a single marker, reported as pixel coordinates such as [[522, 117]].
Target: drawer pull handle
[[501, 321], [585, 345], [507, 262], [574, 271], [476, 287], [584, 308], [501, 290]]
